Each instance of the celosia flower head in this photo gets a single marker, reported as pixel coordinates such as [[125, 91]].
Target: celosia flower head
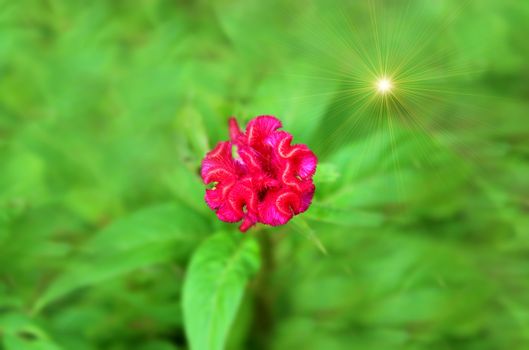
[[259, 176]]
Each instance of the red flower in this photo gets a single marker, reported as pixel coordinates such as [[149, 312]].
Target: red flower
[[268, 181]]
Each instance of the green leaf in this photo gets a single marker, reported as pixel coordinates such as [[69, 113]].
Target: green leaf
[[22, 178], [214, 287], [19, 332], [145, 238], [304, 228], [343, 216]]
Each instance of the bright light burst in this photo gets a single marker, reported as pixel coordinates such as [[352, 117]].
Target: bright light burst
[[384, 85], [382, 71]]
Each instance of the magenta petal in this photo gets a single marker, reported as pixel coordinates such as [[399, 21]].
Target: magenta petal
[[260, 128], [228, 214], [214, 199], [268, 213], [307, 164], [306, 197], [278, 207], [302, 159], [251, 159], [218, 164], [235, 131], [248, 221]]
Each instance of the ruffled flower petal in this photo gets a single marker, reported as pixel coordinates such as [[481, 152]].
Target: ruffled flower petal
[[279, 206], [269, 181]]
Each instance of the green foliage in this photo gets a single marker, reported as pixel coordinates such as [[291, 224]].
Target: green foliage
[[151, 236], [20, 333], [418, 234], [214, 287]]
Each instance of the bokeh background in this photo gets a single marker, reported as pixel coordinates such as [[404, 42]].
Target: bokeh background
[[418, 237]]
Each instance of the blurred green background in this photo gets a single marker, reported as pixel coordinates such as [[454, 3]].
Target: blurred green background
[[418, 237]]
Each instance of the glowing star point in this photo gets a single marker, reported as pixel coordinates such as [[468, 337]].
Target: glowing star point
[[384, 85]]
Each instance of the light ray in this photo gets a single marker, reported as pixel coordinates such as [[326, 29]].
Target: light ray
[[390, 76]]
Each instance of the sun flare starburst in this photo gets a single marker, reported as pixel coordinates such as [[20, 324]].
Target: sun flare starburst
[[385, 75], [384, 85]]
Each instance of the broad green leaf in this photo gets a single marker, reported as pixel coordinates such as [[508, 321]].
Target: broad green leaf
[[17, 332], [145, 238], [214, 287]]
